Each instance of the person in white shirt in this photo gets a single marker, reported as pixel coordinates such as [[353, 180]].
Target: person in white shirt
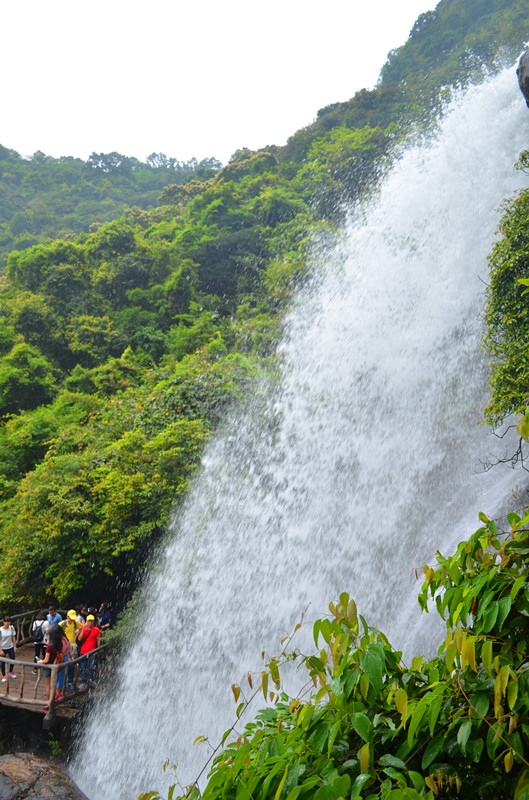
[[8, 647]]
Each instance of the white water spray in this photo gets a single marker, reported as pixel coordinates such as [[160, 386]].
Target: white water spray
[[359, 464]]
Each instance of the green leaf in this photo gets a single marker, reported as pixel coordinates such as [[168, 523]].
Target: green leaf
[[417, 779], [363, 726], [490, 616], [293, 794], [486, 656], [391, 761], [463, 734], [433, 713], [493, 739], [334, 732], [395, 775], [373, 662], [316, 631], [522, 427], [522, 787], [282, 783], [474, 749], [343, 784], [352, 613], [432, 751], [401, 702], [359, 783], [327, 793], [319, 737], [480, 702], [415, 721], [517, 585], [512, 694], [504, 607]]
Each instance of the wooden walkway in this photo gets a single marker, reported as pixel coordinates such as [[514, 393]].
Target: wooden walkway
[[27, 691]]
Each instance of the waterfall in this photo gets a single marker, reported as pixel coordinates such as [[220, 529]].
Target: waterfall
[[343, 474]]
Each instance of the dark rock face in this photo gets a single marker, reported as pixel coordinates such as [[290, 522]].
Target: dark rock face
[[26, 777], [523, 75]]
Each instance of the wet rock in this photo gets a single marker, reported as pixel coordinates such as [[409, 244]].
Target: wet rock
[[523, 75], [26, 777]]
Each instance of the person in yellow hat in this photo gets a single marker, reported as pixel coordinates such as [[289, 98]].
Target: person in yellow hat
[[71, 628]]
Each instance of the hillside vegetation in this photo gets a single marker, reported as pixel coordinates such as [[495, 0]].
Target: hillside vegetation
[[46, 198], [123, 342]]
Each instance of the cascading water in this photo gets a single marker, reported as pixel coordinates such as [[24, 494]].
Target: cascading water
[[352, 469]]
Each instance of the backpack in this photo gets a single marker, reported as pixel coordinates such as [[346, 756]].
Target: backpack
[[36, 630]]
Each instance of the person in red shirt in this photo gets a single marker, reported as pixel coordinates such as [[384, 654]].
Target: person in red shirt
[[88, 639]]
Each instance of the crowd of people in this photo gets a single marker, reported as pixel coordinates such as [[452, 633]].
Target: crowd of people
[[56, 641]]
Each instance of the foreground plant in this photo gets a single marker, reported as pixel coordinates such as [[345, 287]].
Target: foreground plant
[[374, 729]]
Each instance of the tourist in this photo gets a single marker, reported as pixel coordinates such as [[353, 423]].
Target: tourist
[[106, 619], [89, 640], [95, 613], [71, 628], [54, 655], [8, 647], [53, 617], [39, 631], [65, 652], [81, 614]]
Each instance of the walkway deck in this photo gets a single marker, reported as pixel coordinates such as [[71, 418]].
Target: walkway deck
[[27, 691]]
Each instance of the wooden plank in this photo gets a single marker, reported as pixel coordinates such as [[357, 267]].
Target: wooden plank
[[64, 711]]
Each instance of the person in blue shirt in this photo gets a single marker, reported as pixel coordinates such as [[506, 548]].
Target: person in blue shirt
[[53, 616], [106, 618]]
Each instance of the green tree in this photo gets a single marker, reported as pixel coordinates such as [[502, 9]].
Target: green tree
[[507, 313], [26, 380]]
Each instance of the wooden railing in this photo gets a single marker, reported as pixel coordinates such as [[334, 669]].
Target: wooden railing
[[19, 693]]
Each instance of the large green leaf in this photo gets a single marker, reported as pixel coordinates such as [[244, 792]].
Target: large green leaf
[[464, 733], [372, 662], [363, 726], [432, 751]]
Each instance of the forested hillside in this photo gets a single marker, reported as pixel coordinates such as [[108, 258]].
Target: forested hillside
[[124, 338], [43, 197]]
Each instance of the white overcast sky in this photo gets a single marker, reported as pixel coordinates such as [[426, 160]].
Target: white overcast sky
[[200, 78]]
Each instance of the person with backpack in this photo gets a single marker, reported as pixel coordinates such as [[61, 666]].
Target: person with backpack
[[38, 630]]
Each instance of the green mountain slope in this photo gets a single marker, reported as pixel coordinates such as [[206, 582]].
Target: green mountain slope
[[43, 197]]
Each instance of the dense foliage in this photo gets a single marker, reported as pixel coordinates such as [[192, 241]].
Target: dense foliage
[[119, 351], [507, 313], [374, 728], [43, 197]]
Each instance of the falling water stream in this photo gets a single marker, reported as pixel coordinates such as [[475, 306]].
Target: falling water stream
[[344, 473]]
